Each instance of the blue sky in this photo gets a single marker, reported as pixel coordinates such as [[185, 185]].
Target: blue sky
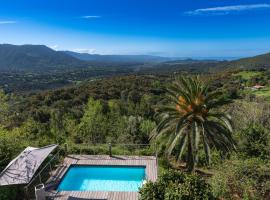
[[187, 28]]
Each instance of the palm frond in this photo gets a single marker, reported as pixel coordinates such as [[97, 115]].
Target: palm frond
[[206, 146], [182, 145], [178, 137]]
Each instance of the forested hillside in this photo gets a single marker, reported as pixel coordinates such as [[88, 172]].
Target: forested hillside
[[135, 100], [37, 58], [122, 110], [89, 108], [260, 61], [32, 68]]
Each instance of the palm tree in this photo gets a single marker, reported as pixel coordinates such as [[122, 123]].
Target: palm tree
[[189, 117]]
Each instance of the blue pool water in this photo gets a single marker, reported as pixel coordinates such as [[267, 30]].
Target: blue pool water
[[103, 178]]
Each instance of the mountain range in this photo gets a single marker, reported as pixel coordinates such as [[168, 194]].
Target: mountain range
[[119, 58], [40, 58], [35, 58]]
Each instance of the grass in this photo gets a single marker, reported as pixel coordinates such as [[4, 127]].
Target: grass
[[248, 74], [265, 92]]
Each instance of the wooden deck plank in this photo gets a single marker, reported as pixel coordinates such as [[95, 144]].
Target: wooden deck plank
[[148, 161]]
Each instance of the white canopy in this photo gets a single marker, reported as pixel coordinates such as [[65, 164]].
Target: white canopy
[[22, 169]]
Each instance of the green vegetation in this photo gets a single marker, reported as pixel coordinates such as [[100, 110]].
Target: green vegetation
[[123, 110], [264, 92], [255, 141], [188, 120], [20, 72], [247, 75], [174, 185], [256, 62], [242, 179]]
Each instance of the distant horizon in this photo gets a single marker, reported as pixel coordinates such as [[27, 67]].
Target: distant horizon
[[218, 58]]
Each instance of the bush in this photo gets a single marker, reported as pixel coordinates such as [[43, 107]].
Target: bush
[[242, 179], [216, 158], [255, 141], [89, 149], [173, 185], [10, 193]]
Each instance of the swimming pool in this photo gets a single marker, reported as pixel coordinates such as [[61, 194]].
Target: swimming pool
[[103, 178]]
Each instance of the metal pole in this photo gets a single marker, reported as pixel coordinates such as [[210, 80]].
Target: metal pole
[[50, 168], [26, 192], [40, 180], [57, 156], [156, 153], [66, 148], [110, 149]]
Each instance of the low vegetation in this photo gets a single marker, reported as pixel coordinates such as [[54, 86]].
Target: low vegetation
[[124, 110], [174, 185], [247, 75]]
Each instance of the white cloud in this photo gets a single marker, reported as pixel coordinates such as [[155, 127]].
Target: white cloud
[[227, 9], [90, 51], [90, 16], [8, 22], [55, 47]]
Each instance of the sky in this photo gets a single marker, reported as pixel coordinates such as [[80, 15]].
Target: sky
[[182, 28]]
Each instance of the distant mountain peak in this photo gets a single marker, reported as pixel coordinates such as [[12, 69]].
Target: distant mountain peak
[[34, 58]]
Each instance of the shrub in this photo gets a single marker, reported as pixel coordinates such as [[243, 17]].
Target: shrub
[[10, 193], [216, 158], [242, 179], [88, 149], [173, 185], [255, 141]]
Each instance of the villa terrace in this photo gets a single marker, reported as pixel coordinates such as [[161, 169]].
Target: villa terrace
[[149, 162]]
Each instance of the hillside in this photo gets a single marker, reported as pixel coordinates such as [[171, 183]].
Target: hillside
[[40, 58], [119, 58], [148, 63], [256, 62], [29, 68], [35, 58]]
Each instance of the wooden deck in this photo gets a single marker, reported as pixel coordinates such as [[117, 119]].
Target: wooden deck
[[148, 161]]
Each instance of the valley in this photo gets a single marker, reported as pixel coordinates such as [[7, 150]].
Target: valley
[[134, 100], [86, 107]]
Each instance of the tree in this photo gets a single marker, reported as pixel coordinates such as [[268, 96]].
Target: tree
[[93, 123], [189, 117], [255, 141], [4, 108], [117, 124], [56, 126], [133, 129], [146, 128]]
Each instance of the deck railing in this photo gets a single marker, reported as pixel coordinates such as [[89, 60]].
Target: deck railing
[[113, 149]]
